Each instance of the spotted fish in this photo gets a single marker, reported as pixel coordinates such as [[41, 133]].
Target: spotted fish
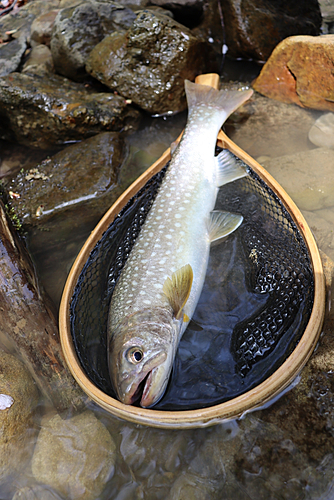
[[159, 287]]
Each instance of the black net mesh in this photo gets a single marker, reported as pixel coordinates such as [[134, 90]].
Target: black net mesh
[[255, 304]]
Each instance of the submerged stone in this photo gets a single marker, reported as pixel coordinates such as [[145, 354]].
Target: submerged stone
[[253, 28], [148, 64], [270, 128], [300, 71], [76, 456], [322, 131], [311, 188], [18, 402], [78, 29], [75, 175], [43, 111]]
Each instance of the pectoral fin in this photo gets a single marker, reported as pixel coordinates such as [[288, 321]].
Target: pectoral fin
[[228, 168], [222, 224], [177, 289]]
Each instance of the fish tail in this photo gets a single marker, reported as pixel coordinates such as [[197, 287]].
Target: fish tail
[[225, 101]]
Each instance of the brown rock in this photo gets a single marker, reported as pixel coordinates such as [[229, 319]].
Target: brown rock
[[18, 400], [74, 456], [28, 323], [300, 71], [41, 28], [148, 64], [253, 28], [79, 173]]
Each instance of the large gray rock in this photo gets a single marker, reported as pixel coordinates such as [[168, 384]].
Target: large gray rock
[[253, 28], [75, 457], [77, 174], [41, 111], [78, 29], [149, 63], [11, 55], [18, 418]]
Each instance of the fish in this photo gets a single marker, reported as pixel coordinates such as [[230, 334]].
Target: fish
[[157, 292]]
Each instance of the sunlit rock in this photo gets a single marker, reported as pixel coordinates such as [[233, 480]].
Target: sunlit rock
[[322, 131], [254, 27], [300, 71], [312, 184], [76, 457], [78, 29], [18, 400], [148, 64], [78, 174], [41, 111]]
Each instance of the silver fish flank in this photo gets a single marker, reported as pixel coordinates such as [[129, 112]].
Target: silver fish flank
[[159, 287]]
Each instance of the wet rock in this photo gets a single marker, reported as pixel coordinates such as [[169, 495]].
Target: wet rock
[[11, 54], [311, 188], [266, 127], [149, 63], [76, 457], [253, 28], [18, 400], [300, 71], [205, 476], [78, 29], [41, 28], [75, 175], [28, 324], [17, 23], [39, 61], [322, 131], [41, 111], [36, 493]]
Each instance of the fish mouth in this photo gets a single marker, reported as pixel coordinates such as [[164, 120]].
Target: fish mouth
[[144, 391]]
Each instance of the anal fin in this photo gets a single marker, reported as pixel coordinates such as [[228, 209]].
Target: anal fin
[[221, 224], [228, 168], [177, 289]]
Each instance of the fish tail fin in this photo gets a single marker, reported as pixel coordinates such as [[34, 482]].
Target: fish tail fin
[[225, 100]]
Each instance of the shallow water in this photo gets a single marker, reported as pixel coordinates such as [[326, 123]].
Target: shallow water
[[271, 454]]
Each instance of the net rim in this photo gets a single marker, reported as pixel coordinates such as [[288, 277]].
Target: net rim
[[234, 408]]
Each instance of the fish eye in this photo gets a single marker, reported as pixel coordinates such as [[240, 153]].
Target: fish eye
[[135, 355]]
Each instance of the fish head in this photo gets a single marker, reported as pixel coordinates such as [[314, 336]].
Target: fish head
[[141, 353]]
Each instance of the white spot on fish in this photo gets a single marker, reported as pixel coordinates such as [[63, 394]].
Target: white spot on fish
[[168, 236], [148, 302], [177, 216]]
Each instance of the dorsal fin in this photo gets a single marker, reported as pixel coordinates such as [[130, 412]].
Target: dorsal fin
[[177, 289], [222, 224]]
